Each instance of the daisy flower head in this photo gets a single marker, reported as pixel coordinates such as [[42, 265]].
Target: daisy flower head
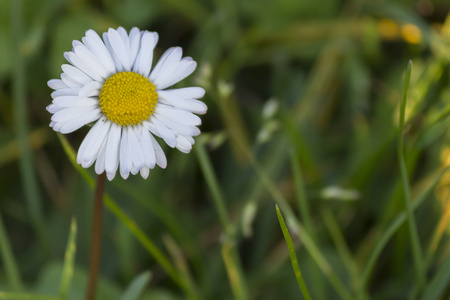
[[110, 83]]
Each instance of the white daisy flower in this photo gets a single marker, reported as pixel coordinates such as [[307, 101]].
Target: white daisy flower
[[111, 82]]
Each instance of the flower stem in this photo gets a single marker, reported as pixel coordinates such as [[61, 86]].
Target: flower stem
[[96, 237]]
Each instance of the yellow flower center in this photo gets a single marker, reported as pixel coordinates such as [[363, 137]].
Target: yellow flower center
[[128, 98]]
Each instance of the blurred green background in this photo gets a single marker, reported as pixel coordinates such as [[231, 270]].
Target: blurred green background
[[303, 101]]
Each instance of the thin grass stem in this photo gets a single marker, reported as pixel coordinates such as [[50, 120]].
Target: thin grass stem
[[11, 269], [294, 261], [412, 226], [305, 213], [213, 185]]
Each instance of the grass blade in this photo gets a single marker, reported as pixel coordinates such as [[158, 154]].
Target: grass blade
[[390, 231], [412, 226], [137, 286], [182, 266], [69, 261], [230, 259], [295, 266], [11, 269], [439, 283]]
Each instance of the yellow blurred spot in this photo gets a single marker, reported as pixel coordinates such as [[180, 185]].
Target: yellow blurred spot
[[411, 33], [445, 157], [388, 29]]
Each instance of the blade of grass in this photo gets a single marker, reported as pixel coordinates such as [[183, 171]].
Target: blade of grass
[[30, 186], [183, 269], [389, 233], [412, 226], [213, 185], [295, 266], [10, 265], [137, 286], [69, 261], [145, 241], [341, 245], [305, 211], [439, 283], [234, 271], [230, 256], [439, 232]]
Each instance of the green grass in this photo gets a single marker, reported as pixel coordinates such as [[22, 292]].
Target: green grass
[[312, 106]]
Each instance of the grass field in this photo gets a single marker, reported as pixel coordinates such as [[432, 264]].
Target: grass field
[[325, 150]]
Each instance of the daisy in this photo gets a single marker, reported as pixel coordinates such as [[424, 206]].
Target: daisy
[[111, 84]]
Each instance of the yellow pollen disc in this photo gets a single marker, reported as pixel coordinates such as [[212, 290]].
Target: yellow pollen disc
[[128, 98]]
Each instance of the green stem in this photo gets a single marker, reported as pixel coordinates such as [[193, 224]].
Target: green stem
[[412, 226], [96, 237], [213, 185]]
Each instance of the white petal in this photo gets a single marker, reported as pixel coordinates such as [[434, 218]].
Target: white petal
[[145, 172], [177, 127], [182, 70], [100, 163], [136, 152], [91, 89], [166, 64], [166, 134], [93, 141], [125, 162], [118, 65], [57, 84], [189, 92], [66, 56], [192, 105], [134, 170], [66, 92], [149, 152], [85, 66], [76, 74], [95, 44], [120, 48], [179, 115], [70, 82], [70, 113], [112, 150], [135, 41], [72, 101], [52, 108], [151, 127], [144, 59], [159, 153], [75, 124], [183, 144], [90, 59], [76, 44]]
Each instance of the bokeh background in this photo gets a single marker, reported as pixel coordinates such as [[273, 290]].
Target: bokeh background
[[303, 101]]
